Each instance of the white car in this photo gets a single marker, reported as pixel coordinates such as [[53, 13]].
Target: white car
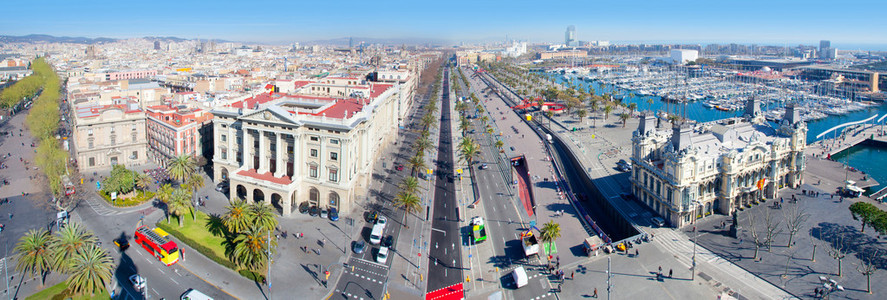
[[138, 282], [382, 220], [382, 256]]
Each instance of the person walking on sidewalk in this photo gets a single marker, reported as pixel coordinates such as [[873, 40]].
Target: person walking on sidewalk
[[595, 293]]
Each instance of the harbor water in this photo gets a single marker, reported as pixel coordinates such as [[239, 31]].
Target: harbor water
[[869, 159]]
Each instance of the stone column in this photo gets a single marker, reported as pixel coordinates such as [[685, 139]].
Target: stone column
[[247, 146], [231, 137], [278, 156], [286, 203], [263, 155], [295, 157]]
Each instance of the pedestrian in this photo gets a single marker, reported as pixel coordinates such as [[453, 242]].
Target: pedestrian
[[595, 293], [636, 253], [572, 274], [660, 270], [669, 273]]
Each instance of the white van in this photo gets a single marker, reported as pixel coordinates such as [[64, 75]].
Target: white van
[[520, 276], [376, 234], [193, 294]]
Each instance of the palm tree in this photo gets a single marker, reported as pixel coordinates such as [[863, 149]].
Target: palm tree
[[194, 183], [164, 194], [250, 248], [550, 231], [650, 103], [632, 107], [91, 270], [464, 124], [417, 163], [409, 202], [34, 253], [549, 114], [624, 117], [71, 239], [490, 130], [673, 118], [181, 167], [607, 110], [500, 144], [485, 119], [178, 204], [422, 144], [143, 182], [262, 216], [409, 185], [469, 151], [236, 218], [581, 113]]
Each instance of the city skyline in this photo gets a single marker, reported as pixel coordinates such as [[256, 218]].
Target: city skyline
[[782, 23]]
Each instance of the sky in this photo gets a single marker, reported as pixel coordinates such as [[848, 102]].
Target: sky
[[776, 22]]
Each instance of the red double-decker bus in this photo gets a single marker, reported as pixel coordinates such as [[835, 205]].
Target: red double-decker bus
[[157, 243]]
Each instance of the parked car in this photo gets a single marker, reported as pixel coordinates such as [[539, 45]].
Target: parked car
[[138, 282], [222, 186], [398, 167], [483, 167], [121, 243], [657, 221], [382, 256], [313, 211], [371, 217], [359, 247], [324, 213], [334, 214], [382, 220], [388, 241], [303, 208]]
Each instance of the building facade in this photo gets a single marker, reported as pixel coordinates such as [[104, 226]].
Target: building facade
[[174, 131], [317, 147], [106, 135], [693, 171]]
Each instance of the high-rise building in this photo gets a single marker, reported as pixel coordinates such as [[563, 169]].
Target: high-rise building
[[570, 36], [824, 47], [156, 45]]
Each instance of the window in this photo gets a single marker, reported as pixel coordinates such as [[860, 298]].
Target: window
[[89, 132], [112, 129], [224, 153], [334, 156], [334, 175], [91, 143], [312, 171], [224, 138], [134, 137], [92, 161], [315, 139], [113, 140], [334, 141], [135, 155], [133, 127], [313, 152]]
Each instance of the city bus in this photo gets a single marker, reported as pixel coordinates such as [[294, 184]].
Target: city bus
[[157, 244]]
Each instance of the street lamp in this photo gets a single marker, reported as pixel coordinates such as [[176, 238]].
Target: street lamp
[[696, 204]]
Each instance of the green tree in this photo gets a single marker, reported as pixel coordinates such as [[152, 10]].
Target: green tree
[[181, 167], [91, 270], [164, 194], [236, 217], [34, 253], [550, 232], [250, 248], [143, 182], [607, 110], [469, 151], [581, 113], [179, 203], [632, 107], [624, 117], [865, 212], [65, 245], [409, 185], [500, 144], [194, 182], [262, 216], [409, 202], [417, 164]]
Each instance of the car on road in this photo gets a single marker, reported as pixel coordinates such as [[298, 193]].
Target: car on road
[[382, 256], [334, 214], [313, 211], [359, 247], [376, 234], [382, 220], [512, 148], [222, 186], [483, 167], [388, 241], [121, 243], [657, 221], [138, 282], [398, 167], [324, 213], [193, 294], [303, 208]]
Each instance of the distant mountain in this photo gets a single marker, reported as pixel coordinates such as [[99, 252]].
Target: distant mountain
[[385, 41], [33, 38]]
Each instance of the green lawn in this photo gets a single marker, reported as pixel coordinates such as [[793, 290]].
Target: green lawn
[[60, 292]]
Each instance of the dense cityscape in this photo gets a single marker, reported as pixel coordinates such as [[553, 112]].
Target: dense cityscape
[[218, 166]]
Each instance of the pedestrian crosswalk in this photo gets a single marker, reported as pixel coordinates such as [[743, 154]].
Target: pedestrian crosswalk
[[103, 209]]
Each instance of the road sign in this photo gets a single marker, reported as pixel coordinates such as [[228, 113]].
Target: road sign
[[429, 171], [459, 170]]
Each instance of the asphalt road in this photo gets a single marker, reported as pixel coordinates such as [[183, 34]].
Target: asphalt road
[[445, 260]]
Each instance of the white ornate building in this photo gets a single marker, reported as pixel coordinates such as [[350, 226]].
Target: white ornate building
[[316, 145], [695, 170]]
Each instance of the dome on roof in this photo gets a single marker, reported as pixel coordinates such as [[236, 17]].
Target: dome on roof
[[766, 69]]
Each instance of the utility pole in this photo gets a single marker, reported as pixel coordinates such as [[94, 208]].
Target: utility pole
[[609, 276], [269, 262], [6, 269]]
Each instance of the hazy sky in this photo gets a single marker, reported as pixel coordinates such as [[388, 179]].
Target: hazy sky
[[747, 21]]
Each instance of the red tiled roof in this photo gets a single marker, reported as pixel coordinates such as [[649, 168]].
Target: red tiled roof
[[301, 83], [339, 109], [378, 89], [267, 176]]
